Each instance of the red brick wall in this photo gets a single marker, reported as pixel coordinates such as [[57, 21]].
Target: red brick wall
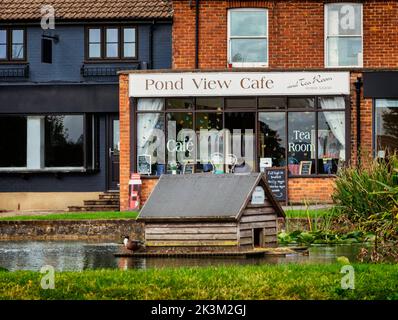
[[147, 187], [125, 126], [296, 33], [312, 190], [380, 28]]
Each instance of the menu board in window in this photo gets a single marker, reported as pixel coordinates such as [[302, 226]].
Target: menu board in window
[[305, 168], [276, 178], [144, 164]]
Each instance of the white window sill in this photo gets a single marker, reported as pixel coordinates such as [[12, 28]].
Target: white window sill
[[249, 65], [344, 67]]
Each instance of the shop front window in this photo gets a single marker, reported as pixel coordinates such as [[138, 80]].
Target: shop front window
[[13, 138], [150, 137], [306, 135], [240, 146], [272, 139], [301, 143], [64, 141], [386, 127], [48, 142], [331, 142], [209, 133], [181, 142]]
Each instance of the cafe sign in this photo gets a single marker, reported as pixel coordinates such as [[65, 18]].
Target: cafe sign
[[196, 84]]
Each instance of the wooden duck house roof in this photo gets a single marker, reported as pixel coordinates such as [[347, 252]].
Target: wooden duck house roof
[[204, 197]]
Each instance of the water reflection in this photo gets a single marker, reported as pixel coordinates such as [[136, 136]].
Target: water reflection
[[76, 256]]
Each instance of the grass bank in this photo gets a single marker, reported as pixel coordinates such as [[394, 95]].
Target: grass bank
[[231, 282], [312, 213], [75, 216]]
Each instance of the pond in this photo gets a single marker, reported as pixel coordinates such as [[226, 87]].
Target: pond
[[77, 255]]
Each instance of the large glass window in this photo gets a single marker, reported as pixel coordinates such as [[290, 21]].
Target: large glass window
[[331, 141], [272, 137], [64, 141], [12, 141], [248, 32], [307, 135], [181, 141], [241, 126], [301, 143], [210, 140], [40, 142], [343, 28], [386, 127], [151, 158]]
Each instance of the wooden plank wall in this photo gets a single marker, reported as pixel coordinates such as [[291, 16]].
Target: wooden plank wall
[[197, 236], [258, 216]]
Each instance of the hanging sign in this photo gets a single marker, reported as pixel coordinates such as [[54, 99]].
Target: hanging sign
[[180, 84]]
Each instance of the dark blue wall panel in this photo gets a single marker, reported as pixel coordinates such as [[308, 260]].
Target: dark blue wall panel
[[162, 50]]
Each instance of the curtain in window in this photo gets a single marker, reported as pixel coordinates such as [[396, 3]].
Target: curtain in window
[[336, 120], [147, 122], [333, 28]]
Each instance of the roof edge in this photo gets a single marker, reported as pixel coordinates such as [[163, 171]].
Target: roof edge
[[188, 219]]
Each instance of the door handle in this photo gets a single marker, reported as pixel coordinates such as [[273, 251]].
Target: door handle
[[111, 152]]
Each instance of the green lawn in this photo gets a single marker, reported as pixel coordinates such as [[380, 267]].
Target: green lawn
[[231, 282], [76, 216], [318, 213]]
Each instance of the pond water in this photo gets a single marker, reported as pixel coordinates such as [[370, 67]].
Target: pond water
[[76, 256]]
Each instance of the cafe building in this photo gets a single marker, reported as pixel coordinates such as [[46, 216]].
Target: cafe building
[[295, 89], [290, 125]]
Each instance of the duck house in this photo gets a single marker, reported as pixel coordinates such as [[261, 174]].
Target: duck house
[[209, 212]]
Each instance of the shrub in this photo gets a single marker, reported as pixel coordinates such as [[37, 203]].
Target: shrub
[[368, 197], [363, 192]]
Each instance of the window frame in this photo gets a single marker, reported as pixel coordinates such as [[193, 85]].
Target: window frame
[[326, 36], [103, 42], [9, 43], [229, 38], [286, 110]]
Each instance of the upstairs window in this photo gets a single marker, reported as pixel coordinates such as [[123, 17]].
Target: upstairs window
[[12, 44], [113, 43], [343, 35], [94, 43], [248, 37]]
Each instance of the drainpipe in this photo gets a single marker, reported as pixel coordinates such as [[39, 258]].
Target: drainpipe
[[197, 35], [358, 84]]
